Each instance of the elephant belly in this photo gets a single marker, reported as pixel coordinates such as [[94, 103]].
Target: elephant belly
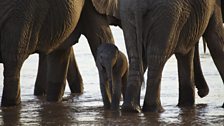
[[59, 24], [6, 7], [186, 24]]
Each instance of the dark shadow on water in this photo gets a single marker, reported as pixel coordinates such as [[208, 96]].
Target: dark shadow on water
[[72, 112], [56, 113], [11, 116], [108, 117], [201, 114], [191, 115], [38, 112]]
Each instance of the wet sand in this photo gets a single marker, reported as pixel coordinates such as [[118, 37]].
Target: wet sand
[[87, 109]]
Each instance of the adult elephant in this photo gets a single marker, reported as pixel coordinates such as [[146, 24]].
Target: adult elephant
[[155, 30], [99, 31], [176, 34], [28, 27], [95, 27], [38, 27]]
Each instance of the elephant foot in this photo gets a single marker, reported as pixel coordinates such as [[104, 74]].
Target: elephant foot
[[152, 108], [131, 108], [107, 107], [38, 92], [115, 104], [76, 91], [53, 98], [55, 92], [10, 102], [11, 93], [115, 107], [203, 92], [185, 104], [76, 87], [186, 97]]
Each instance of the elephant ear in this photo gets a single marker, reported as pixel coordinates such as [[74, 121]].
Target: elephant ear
[[107, 7]]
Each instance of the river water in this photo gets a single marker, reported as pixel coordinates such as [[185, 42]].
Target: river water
[[86, 109]]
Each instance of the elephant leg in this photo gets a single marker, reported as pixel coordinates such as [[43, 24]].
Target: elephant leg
[[200, 82], [12, 62], [124, 84], [40, 87], [105, 90], [160, 43], [57, 64], [186, 79], [74, 77], [116, 91], [214, 36], [152, 101], [11, 90], [132, 95], [14, 51]]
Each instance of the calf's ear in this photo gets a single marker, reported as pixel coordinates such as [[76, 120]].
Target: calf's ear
[[107, 7]]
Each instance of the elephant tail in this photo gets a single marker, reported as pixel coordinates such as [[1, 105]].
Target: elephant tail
[[200, 81], [139, 35]]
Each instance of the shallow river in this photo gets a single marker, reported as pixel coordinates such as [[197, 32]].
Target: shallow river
[[86, 109]]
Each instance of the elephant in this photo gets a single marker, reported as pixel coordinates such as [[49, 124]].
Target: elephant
[[153, 32], [113, 70], [29, 27], [174, 34], [43, 27], [99, 30], [76, 86], [99, 33]]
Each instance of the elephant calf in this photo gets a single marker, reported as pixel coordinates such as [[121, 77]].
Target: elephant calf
[[113, 68]]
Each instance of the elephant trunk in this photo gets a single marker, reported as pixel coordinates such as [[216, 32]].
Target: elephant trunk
[[109, 76]]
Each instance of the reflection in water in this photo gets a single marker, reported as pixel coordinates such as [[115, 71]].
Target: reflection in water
[[10, 116], [188, 116], [72, 112], [57, 113]]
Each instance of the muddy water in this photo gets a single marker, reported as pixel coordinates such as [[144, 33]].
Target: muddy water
[[86, 109]]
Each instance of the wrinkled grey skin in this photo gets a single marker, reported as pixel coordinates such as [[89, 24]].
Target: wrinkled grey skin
[[129, 16], [113, 69], [39, 27], [95, 28], [36, 26], [31, 41], [175, 34], [74, 77]]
